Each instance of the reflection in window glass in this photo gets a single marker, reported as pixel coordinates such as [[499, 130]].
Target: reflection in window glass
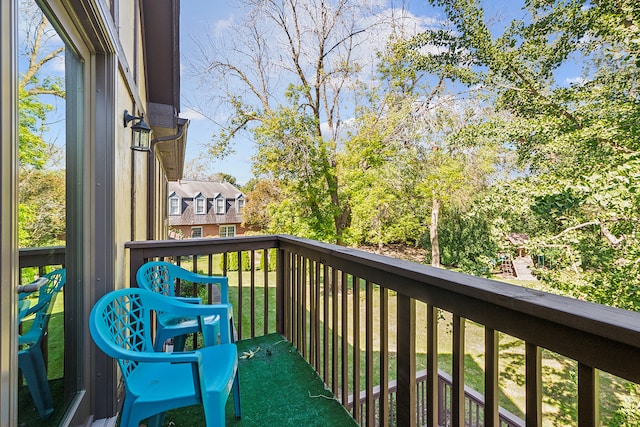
[[42, 110]]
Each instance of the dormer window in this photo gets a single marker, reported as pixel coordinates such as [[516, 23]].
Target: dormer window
[[220, 205], [240, 204], [174, 205], [200, 204]]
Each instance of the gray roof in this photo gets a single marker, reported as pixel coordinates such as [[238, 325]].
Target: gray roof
[[188, 190]]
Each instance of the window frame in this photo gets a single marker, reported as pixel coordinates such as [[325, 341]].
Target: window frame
[[194, 228], [177, 210], [227, 227], [200, 210], [220, 205]]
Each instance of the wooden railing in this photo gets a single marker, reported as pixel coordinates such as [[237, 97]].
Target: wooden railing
[[334, 302], [474, 403], [41, 259]]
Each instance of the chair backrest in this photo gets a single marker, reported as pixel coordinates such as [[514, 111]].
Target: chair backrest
[[157, 276], [161, 276], [33, 336], [54, 283], [120, 324]]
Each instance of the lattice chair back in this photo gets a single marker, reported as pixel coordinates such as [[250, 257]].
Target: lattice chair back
[[161, 277], [157, 277], [122, 321], [46, 286]]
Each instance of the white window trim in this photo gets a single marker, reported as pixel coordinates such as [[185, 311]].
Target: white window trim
[[204, 205], [196, 228], [220, 209], [171, 211], [227, 227]]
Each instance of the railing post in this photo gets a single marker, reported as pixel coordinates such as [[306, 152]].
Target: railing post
[[457, 395], [406, 395], [588, 405], [136, 259], [281, 301], [432, 367], [491, 414], [533, 385]]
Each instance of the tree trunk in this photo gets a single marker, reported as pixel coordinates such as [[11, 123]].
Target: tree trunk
[[433, 233]]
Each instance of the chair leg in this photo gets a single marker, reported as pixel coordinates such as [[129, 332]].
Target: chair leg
[[179, 342], [236, 396], [214, 410], [125, 419], [32, 365], [157, 420]]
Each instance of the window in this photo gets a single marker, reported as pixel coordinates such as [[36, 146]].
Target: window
[[174, 205], [196, 232], [201, 205], [227, 231], [220, 205], [240, 204]]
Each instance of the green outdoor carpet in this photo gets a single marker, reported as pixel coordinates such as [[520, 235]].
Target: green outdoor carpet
[[277, 388]]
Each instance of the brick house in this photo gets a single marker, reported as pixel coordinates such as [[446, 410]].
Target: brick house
[[205, 209]]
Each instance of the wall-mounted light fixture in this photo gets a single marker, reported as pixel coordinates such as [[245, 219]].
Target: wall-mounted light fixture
[[141, 132]]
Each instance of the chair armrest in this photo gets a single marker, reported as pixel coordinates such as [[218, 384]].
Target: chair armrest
[[196, 310], [222, 281], [190, 300], [159, 357]]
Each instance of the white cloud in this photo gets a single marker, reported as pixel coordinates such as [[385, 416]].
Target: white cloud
[[575, 80], [223, 25], [191, 114]]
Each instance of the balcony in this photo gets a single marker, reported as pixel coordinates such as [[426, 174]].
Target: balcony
[[375, 352]]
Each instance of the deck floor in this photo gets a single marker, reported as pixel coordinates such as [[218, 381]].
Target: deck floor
[[277, 388]]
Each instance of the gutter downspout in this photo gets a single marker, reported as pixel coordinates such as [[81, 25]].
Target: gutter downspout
[[151, 182]]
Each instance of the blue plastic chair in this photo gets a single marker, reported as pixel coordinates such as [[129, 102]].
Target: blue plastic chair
[[161, 277], [155, 382], [45, 287], [30, 357]]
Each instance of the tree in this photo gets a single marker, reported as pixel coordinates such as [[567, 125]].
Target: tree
[[289, 87], [256, 212], [32, 111], [578, 142], [406, 156], [41, 208]]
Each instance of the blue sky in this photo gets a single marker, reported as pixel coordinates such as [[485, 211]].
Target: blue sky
[[197, 18], [200, 17]]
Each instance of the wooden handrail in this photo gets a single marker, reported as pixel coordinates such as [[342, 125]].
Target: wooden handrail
[[310, 273]]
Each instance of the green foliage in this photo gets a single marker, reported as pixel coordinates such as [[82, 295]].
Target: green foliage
[[32, 113], [466, 242], [628, 413], [290, 150], [41, 208], [272, 255], [577, 142], [232, 261]]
